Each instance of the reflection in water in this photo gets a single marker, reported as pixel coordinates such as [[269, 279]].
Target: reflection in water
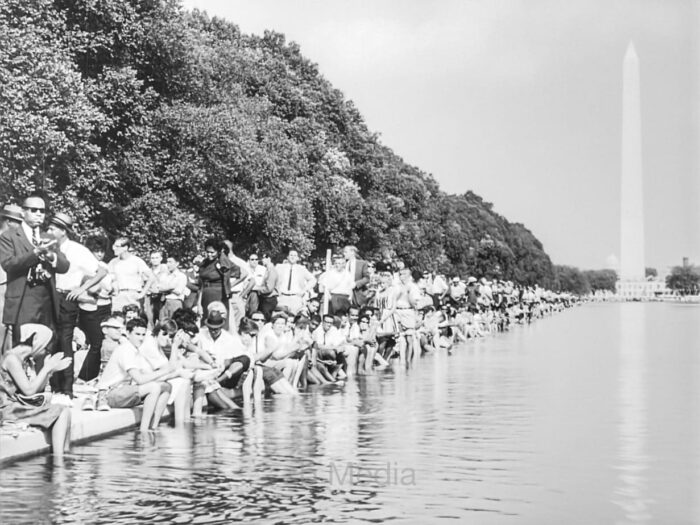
[[631, 492], [515, 429]]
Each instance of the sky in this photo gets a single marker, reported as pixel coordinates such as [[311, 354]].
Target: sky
[[520, 102]]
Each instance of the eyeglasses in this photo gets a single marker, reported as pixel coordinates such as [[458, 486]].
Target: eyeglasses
[[258, 318], [34, 210]]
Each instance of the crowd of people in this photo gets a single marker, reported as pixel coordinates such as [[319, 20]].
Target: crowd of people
[[218, 332]]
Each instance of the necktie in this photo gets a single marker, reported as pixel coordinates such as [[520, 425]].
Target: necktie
[[289, 283], [37, 237]]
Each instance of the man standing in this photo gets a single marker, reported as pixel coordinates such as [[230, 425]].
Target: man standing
[[294, 281], [153, 300], [83, 273], [103, 290], [30, 261], [172, 286], [10, 217], [129, 275], [268, 291], [253, 286], [359, 273], [240, 277], [337, 283]]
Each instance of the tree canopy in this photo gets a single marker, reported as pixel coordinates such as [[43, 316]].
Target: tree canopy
[[144, 119], [684, 279]]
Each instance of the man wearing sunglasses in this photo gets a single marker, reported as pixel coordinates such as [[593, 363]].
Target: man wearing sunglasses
[[30, 258]]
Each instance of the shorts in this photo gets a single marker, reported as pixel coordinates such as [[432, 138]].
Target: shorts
[[233, 381], [271, 375], [123, 396]]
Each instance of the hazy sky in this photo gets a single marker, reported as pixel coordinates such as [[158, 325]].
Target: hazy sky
[[519, 101]]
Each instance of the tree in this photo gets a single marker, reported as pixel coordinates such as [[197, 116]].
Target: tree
[[650, 272], [601, 279], [570, 279], [684, 279]]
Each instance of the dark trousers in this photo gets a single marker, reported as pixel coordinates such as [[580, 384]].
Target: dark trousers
[[69, 317], [339, 304], [268, 303], [93, 361]]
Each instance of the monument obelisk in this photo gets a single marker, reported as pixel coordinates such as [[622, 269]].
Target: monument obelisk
[[631, 194]]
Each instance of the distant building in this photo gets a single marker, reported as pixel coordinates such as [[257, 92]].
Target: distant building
[[646, 289]]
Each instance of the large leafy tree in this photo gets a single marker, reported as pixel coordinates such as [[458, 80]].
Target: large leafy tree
[[684, 279], [142, 118]]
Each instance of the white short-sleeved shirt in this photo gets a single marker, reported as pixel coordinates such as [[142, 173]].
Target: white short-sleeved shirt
[[82, 264], [333, 337], [129, 273], [124, 358], [150, 352], [226, 346]]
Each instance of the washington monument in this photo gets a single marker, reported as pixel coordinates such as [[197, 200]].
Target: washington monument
[[631, 190]]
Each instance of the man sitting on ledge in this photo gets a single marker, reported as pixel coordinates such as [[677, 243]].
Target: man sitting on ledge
[[126, 382]]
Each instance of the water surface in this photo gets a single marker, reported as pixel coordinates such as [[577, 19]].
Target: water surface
[[590, 416]]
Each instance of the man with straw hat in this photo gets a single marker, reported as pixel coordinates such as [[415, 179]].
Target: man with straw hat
[[76, 306]]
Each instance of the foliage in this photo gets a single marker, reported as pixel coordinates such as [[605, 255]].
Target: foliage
[[650, 272], [684, 279], [601, 280], [570, 279], [144, 119]]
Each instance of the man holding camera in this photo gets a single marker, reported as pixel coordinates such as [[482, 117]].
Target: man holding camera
[[31, 261]]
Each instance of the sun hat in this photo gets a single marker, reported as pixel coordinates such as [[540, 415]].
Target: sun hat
[[215, 320]]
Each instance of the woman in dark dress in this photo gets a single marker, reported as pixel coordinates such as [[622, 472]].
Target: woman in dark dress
[[215, 275]]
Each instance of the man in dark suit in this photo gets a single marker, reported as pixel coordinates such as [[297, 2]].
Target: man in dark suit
[[30, 259], [360, 274]]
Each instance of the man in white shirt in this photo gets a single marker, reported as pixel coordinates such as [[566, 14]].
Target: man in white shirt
[[253, 286], [127, 383], [153, 299], [338, 283], [171, 285], [294, 282], [330, 344], [129, 275], [239, 282], [72, 287]]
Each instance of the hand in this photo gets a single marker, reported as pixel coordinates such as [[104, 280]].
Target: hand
[[73, 296], [57, 362]]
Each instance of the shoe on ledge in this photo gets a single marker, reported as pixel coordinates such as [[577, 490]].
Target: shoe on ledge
[[62, 400], [102, 404]]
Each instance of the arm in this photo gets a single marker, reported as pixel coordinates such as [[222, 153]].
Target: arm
[[270, 282], [52, 364], [15, 264], [141, 377], [101, 273], [265, 354]]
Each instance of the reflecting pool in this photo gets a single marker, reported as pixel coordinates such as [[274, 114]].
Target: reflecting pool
[[590, 416]]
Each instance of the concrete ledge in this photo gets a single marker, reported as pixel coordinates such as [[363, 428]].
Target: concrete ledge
[[85, 426]]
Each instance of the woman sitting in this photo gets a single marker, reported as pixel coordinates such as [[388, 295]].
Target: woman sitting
[[21, 397]]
